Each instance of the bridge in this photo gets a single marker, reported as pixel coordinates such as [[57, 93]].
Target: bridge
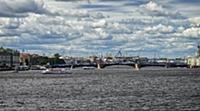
[[135, 65]]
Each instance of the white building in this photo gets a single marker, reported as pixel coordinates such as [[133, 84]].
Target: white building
[[194, 61]]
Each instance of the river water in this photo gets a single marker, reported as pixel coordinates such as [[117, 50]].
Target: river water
[[100, 90]]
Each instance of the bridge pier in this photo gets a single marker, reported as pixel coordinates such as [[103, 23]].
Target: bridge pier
[[166, 66], [98, 66], [137, 67]]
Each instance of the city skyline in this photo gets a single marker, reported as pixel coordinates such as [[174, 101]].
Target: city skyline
[[170, 28]]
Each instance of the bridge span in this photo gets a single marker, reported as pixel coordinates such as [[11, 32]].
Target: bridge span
[[136, 66]]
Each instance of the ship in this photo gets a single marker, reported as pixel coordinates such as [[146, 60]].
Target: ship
[[57, 71]]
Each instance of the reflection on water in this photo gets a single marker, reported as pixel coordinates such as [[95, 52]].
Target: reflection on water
[[117, 90]]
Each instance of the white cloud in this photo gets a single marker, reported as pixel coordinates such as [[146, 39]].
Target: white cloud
[[180, 29], [99, 24], [195, 21], [158, 10], [152, 6], [192, 32], [159, 29]]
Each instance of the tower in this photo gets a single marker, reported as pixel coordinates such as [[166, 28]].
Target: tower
[[198, 51], [89, 1]]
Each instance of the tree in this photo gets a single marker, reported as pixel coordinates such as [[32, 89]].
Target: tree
[[57, 55], [57, 60]]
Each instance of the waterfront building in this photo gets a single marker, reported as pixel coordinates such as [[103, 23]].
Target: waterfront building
[[194, 61], [9, 58], [67, 59], [93, 58], [25, 59]]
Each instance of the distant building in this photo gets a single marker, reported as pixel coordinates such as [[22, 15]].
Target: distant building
[[194, 61], [36, 59], [68, 60], [25, 59], [9, 58]]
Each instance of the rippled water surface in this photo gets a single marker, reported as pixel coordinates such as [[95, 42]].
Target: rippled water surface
[[100, 90]]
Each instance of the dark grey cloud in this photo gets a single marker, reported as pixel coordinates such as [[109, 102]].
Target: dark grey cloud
[[20, 8], [188, 1]]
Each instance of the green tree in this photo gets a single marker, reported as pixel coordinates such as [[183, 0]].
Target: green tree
[[57, 60], [57, 55]]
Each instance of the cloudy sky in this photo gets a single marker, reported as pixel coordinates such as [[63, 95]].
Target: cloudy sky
[[167, 28]]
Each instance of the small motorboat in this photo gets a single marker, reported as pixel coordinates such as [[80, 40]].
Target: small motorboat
[[88, 68], [56, 71]]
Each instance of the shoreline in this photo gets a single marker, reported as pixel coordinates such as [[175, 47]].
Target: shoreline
[[33, 74]]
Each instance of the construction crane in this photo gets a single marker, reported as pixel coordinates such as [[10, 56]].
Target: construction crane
[[119, 54]]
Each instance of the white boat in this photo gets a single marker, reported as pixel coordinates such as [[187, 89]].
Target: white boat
[[56, 71], [88, 68]]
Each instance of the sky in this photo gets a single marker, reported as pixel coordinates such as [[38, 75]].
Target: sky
[[163, 28]]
